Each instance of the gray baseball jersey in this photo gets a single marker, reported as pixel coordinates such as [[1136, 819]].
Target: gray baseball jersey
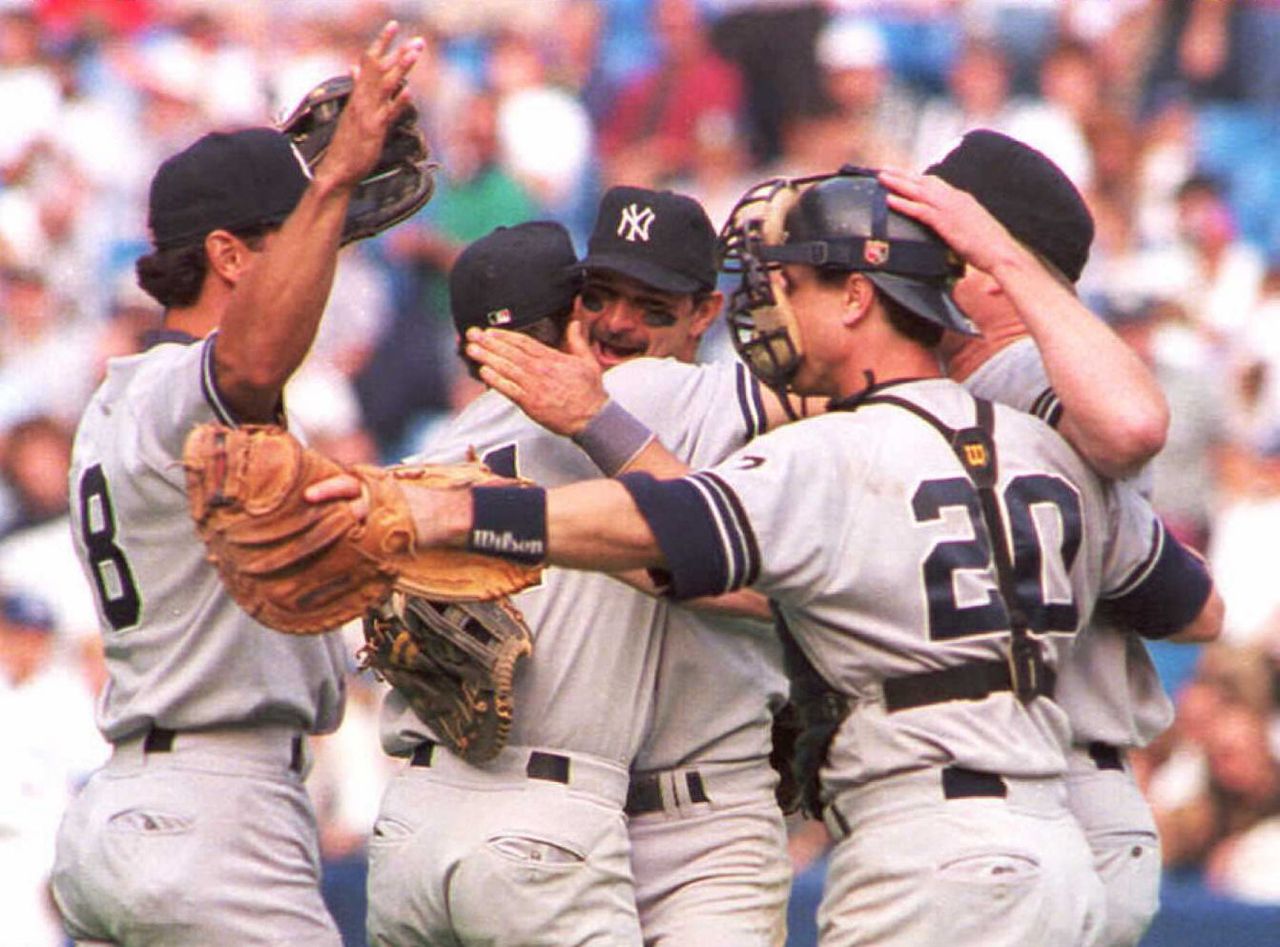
[[865, 530], [589, 628], [180, 652], [588, 692], [199, 828], [1111, 692], [1107, 683]]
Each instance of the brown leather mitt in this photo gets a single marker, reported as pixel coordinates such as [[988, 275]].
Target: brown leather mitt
[[305, 567], [454, 663]]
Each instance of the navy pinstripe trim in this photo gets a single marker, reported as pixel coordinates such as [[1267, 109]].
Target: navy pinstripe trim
[[1169, 598], [1047, 407], [683, 522], [740, 539], [1143, 570], [209, 385], [750, 402]]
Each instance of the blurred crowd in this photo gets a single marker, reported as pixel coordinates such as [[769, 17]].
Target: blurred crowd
[[1166, 114]]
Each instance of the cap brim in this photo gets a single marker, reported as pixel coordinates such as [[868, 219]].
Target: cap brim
[[648, 273], [928, 301]]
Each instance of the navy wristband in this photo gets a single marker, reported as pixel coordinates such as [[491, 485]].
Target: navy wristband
[[509, 522]]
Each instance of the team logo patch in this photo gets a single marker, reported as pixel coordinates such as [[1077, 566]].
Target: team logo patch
[[499, 317], [635, 222], [876, 252]]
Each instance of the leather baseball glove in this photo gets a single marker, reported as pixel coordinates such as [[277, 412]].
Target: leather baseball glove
[[453, 663], [401, 182], [308, 567]]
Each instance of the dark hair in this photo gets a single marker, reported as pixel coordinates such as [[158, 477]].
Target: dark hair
[[549, 330], [175, 277], [903, 320]]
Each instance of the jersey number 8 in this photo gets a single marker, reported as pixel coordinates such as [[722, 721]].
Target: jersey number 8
[[117, 592]]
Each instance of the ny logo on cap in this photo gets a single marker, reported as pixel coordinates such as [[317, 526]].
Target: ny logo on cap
[[635, 221]]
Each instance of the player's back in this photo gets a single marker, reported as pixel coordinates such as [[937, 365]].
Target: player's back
[[722, 671], [181, 654], [1108, 683], [595, 645]]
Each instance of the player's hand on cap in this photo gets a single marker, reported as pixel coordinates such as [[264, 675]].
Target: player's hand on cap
[[562, 391], [379, 94], [964, 224]]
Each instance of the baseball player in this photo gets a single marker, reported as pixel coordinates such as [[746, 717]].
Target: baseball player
[[706, 834], [199, 829], [928, 554], [1108, 684], [588, 696]]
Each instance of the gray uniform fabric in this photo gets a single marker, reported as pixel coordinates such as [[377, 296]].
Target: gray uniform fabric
[[206, 834], [590, 694], [1110, 689], [840, 519]]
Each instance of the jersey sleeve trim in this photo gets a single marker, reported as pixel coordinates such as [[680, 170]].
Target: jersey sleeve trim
[[750, 402], [1169, 597], [1143, 570], [209, 384], [699, 526], [1047, 407]]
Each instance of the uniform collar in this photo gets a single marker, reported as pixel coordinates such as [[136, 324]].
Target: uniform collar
[[153, 337]]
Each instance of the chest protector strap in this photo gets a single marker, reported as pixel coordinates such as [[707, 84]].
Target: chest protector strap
[[975, 448]]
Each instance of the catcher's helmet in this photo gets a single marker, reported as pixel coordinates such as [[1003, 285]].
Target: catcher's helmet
[[841, 222]]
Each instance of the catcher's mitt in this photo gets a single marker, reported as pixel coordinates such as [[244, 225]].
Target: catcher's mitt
[[395, 188], [453, 663], [308, 567]]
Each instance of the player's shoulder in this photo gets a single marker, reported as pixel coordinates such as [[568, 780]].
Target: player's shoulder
[[486, 419], [638, 374]]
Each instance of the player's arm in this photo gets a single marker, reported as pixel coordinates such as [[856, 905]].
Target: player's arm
[[744, 603], [275, 309], [685, 527], [1086, 362], [1170, 595]]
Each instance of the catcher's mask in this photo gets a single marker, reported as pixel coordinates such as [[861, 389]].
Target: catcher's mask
[[840, 222]]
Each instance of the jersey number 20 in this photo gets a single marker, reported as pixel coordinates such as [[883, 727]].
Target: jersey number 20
[[111, 573], [1034, 555]]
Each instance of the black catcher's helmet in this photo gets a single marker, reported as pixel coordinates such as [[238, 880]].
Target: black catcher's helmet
[[838, 221]]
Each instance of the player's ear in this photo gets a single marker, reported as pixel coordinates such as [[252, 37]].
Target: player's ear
[[705, 312], [858, 295], [227, 254]]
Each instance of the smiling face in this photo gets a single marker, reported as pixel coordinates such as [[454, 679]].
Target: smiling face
[[627, 319]]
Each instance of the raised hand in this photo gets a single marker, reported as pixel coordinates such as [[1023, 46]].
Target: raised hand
[[379, 95], [964, 224]]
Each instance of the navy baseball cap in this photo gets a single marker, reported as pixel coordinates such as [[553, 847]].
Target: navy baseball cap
[[26, 611], [225, 181], [513, 276], [661, 238], [1026, 192]]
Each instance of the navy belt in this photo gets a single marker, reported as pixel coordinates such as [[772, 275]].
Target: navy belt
[[644, 793], [160, 740], [551, 767], [1105, 756], [958, 782], [973, 681]]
